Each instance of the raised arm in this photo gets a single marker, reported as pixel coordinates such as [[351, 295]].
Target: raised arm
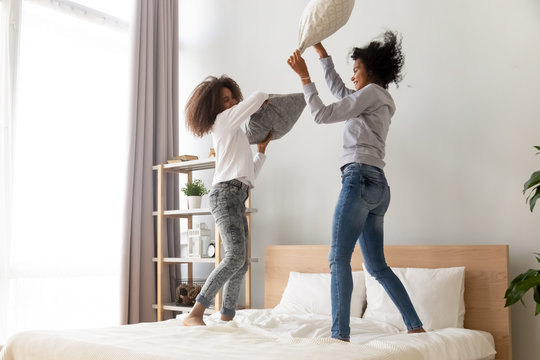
[[320, 50], [350, 106], [297, 63], [333, 80], [237, 114]]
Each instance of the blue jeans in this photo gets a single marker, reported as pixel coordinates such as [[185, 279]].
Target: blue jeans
[[227, 204], [359, 216]]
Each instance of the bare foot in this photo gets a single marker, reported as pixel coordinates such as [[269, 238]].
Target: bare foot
[[193, 321], [421, 330], [195, 317]]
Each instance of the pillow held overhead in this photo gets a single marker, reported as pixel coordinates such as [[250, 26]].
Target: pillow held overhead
[[279, 116], [320, 19]]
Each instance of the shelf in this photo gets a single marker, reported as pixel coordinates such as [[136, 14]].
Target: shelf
[[174, 307], [184, 213], [182, 308], [180, 260], [173, 260], [188, 166]]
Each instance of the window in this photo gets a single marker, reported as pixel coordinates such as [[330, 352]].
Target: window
[[70, 148]]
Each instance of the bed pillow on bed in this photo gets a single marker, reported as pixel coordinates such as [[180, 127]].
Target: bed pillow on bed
[[320, 19], [437, 296], [279, 116], [310, 294]]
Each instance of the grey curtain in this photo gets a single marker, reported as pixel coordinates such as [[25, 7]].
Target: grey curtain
[[154, 139]]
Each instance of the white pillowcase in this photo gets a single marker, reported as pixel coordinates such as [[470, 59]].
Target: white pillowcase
[[310, 294], [437, 296], [320, 19]]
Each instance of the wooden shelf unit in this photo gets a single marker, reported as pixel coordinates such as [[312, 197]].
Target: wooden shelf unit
[[162, 214]]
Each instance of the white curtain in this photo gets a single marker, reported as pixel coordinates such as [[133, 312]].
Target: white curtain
[[154, 139], [9, 35], [63, 167]]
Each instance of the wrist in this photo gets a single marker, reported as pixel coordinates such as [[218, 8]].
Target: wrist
[[322, 54], [305, 80]]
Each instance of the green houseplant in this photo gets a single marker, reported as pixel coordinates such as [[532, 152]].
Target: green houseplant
[[194, 191], [531, 278], [534, 185]]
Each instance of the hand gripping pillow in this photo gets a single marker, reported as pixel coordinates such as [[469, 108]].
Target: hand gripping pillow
[[278, 115], [320, 19]]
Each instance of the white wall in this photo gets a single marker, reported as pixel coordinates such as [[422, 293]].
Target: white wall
[[459, 148]]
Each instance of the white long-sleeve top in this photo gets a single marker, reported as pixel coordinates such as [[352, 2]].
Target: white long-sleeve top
[[234, 159]]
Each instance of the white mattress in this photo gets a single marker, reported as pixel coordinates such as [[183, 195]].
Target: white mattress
[[254, 334]]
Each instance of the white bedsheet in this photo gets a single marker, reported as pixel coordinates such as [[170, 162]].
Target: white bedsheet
[[254, 334]]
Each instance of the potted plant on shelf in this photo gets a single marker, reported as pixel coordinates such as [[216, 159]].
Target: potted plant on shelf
[[531, 278], [194, 191]]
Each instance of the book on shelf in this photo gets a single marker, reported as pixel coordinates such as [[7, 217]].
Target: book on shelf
[[180, 158]]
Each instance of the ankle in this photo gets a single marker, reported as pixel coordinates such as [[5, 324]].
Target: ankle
[[197, 310], [226, 318]]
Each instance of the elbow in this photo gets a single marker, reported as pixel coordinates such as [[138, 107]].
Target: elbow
[[261, 95], [319, 117]]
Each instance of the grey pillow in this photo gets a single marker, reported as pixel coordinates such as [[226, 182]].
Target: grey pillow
[[278, 115]]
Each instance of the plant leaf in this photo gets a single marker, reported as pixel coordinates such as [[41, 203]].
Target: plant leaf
[[536, 298], [537, 148], [532, 201], [520, 285], [533, 181]]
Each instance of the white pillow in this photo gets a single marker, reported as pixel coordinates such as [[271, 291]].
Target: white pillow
[[320, 19], [310, 294], [437, 296]]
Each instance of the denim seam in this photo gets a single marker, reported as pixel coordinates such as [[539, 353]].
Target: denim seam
[[338, 293]]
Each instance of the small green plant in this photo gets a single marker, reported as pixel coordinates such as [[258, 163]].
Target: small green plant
[[195, 188], [534, 185], [522, 284], [531, 278]]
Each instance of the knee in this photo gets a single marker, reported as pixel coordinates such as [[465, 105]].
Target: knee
[[337, 258], [234, 262], [379, 273], [243, 269]]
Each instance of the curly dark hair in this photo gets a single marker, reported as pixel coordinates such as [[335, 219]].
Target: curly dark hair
[[382, 58], [205, 103]]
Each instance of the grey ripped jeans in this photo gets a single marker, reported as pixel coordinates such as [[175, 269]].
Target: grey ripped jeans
[[227, 203]]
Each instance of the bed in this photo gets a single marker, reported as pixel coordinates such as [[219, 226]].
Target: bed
[[281, 331]]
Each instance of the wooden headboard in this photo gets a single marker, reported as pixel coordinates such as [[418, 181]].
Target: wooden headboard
[[486, 278]]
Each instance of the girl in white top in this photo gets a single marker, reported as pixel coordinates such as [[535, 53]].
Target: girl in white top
[[216, 107]]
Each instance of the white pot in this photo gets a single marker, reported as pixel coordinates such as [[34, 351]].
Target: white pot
[[194, 202]]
